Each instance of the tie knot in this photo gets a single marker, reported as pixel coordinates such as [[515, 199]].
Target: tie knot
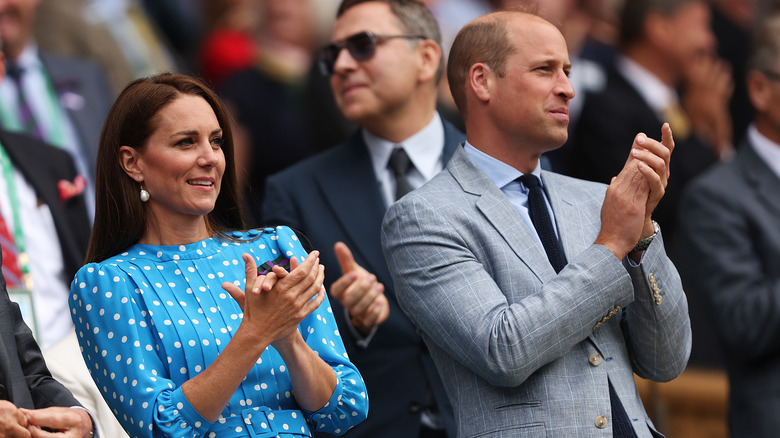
[[529, 180], [399, 161]]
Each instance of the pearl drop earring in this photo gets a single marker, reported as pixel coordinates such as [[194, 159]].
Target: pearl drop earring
[[144, 195]]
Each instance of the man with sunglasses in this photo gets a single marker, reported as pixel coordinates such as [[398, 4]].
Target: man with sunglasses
[[730, 243], [384, 64]]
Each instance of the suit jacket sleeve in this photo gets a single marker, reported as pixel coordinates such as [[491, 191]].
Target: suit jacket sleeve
[[440, 257], [22, 361]]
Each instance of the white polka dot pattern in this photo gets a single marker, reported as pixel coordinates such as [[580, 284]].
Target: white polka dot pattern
[[153, 317]]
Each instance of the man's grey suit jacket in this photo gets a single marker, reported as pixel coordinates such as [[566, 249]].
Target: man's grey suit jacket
[[523, 351], [730, 237]]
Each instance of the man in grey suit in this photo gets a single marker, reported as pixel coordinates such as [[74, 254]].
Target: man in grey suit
[[536, 333], [730, 223]]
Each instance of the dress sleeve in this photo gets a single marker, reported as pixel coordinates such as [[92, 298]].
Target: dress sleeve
[[348, 404], [119, 348]]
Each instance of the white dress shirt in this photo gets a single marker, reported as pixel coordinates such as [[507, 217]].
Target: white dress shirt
[[423, 148]]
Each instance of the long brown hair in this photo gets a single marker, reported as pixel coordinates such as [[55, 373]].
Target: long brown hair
[[120, 216]]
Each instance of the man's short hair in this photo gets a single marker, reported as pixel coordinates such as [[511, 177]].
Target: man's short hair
[[484, 40], [765, 49], [414, 17], [635, 13]]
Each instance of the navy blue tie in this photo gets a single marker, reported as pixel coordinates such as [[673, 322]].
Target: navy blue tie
[[621, 425], [540, 217]]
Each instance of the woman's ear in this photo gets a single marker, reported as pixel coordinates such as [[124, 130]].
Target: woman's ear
[[129, 160]]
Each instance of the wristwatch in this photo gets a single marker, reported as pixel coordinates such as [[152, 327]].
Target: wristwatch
[[644, 243]]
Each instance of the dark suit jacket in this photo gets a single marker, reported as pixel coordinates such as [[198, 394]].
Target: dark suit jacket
[[334, 196], [730, 240], [603, 137], [24, 379], [86, 79], [44, 166]]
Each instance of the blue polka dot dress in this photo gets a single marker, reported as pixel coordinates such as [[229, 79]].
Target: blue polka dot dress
[[153, 317]]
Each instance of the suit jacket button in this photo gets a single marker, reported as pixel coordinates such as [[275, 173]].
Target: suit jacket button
[[595, 359], [651, 277], [414, 407], [601, 421]]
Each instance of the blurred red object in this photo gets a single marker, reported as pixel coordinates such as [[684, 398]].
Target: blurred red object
[[225, 52]]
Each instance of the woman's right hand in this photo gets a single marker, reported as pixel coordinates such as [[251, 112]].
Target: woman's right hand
[[274, 304]]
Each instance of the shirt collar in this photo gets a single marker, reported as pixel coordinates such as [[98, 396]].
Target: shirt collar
[[657, 94], [768, 150], [29, 59], [424, 148], [499, 172]]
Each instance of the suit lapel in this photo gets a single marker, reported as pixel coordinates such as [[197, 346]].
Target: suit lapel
[[501, 214], [352, 191], [27, 157], [575, 236]]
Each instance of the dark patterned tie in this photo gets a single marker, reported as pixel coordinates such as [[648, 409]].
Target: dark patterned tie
[[540, 217], [621, 425], [26, 116], [400, 164]]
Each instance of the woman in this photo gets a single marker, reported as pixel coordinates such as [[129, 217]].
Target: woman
[[171, 339]]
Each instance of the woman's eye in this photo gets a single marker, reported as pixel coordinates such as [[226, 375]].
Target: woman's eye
[[218, 141], [185, 141]]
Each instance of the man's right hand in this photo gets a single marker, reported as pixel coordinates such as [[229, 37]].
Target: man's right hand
[[359, 291], [13, 422]]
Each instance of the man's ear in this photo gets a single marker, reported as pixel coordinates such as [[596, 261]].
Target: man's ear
[[480, 80], [759, 89], [430, 59], [129, 160]]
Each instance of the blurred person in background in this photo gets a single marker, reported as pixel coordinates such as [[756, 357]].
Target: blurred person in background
[[61, 100], [117, 34], [44, 230], [384, 63], [665, 45], [281, 102], [733, 23], [730, 243]]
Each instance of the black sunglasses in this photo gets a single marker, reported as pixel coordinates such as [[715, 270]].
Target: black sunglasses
[[361, 46]]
